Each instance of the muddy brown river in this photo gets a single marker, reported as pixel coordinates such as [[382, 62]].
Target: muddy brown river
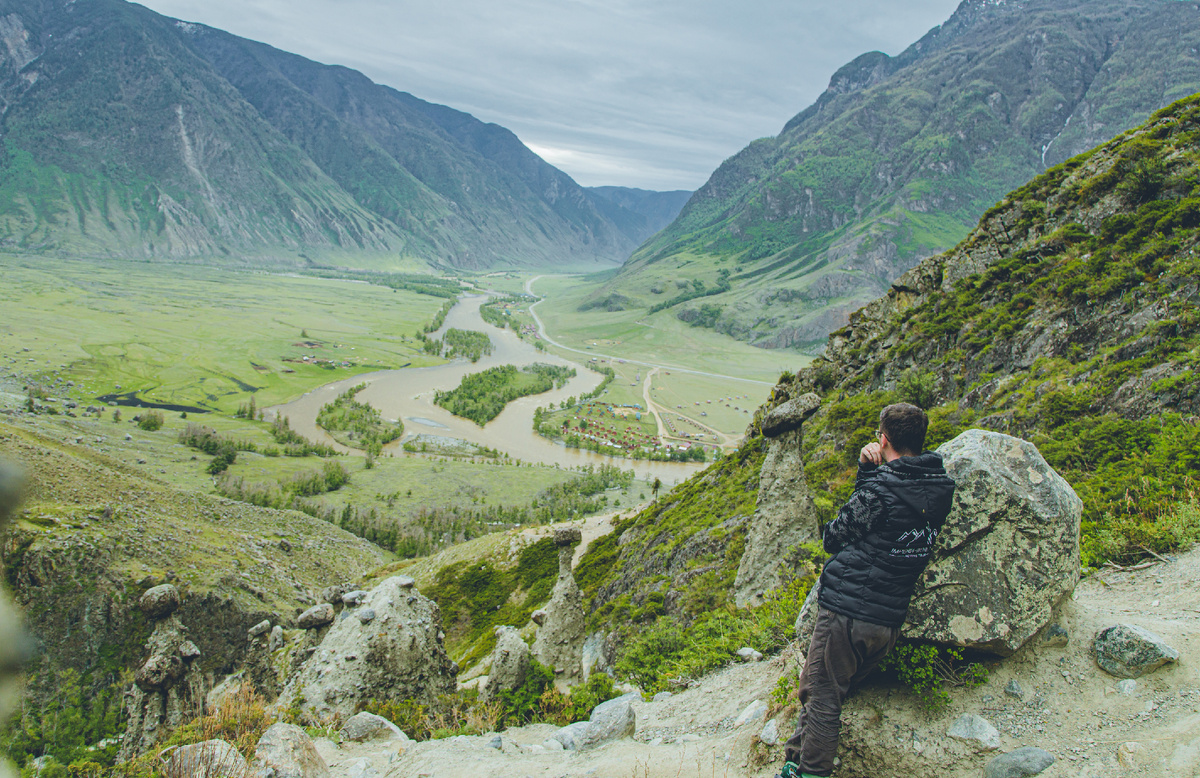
[[407, 395]]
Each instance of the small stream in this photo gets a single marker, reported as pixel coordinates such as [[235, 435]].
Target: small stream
[[407, 395]]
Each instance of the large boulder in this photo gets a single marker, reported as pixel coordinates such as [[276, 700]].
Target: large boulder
[[785, 515], [1009, 550], [559, 641], [1007, 555], [286, 751], [160, 601], [398, 655], [510, 664]]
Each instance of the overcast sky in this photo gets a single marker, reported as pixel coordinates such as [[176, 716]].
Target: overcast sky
[[646, 93]]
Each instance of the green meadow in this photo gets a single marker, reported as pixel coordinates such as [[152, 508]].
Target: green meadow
[[658, 338], [189, 335]]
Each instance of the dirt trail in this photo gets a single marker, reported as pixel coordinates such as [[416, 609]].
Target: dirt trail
[[1067, 706]]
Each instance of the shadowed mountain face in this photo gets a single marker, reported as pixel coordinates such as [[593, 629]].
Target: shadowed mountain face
[[130, 134], [901, 155]]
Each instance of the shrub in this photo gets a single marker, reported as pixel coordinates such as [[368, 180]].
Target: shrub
[[151, 421], [927, 670]]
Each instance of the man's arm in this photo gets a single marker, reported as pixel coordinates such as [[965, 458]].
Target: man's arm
[[856, 518]]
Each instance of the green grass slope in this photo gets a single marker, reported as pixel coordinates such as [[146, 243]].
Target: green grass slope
[[1068, 317], [900, 157]]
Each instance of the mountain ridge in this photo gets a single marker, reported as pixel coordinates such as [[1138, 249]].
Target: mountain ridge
[[129, 133], [900, 156]]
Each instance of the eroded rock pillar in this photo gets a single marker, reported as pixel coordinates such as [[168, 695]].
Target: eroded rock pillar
[[168, 689], [560, 637], [784, 516]]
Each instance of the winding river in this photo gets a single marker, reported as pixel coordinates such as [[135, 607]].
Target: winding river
[[407, 395]]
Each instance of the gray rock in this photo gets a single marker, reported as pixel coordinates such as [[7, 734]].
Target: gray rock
[[1127, 687], [365, 726], [286, 751], [790, 415], [662, 696], [276, 640], [770, 733], [611, 720], [550, 744], [571, 736], [160, 601], [405, 582], [361, 768], [752, 713], [538, 616], [1130, 651], [1009, 550], [975, 729], [316, 616], [559, 641], [354, 598], [399, 656], [594, 656], [1014, 689], [807, 618], [261, 628], [333, 594], [748, 654], [510, 664], [497, 742], [209, 759], [1022, 763], [785, 515], [1055, 636], [366, 615]]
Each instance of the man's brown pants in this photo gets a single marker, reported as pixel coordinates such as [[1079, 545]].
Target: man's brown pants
[[842, 653]]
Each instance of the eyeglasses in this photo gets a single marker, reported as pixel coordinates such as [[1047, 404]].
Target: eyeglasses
[[878, 432]]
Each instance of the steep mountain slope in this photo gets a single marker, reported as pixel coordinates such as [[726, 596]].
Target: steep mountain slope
[[900, 156], [127, 133], [1069, 317], [656, 209]]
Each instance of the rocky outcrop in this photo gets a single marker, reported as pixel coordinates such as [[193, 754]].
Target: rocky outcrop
[[559, 642], [1007, 555], [1009, 550], [397, 655], [169, 687], [784, 516], [510, 664]]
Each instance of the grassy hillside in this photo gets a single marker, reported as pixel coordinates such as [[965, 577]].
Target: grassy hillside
[[1067, 317], [901, 156]]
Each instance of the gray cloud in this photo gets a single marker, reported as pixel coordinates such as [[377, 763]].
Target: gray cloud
[[653, 94]]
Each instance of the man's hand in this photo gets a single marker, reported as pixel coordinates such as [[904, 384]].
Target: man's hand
[[872, 452]]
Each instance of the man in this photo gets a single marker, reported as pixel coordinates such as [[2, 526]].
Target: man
[[880, 543]]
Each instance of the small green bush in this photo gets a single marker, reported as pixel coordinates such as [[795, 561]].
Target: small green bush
[[151, 421], [927, 670]]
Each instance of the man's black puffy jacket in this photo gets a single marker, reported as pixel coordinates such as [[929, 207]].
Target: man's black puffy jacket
[[883, 536]]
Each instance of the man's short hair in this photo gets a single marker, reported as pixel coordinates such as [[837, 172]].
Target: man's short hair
[[905, 425]]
